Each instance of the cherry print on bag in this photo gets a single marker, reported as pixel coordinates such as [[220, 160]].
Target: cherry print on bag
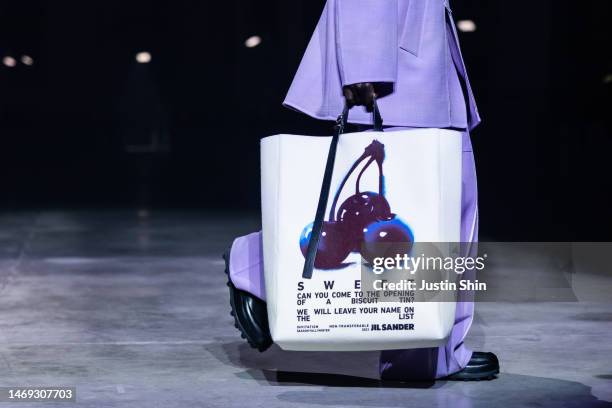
[[363, 223]]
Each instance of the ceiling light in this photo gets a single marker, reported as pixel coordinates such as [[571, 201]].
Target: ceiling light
[[27, 60], [467, 26], [252, 41], [9, 61], [143, 57]]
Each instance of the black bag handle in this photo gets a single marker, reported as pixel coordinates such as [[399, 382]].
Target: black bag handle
[[315, 235]]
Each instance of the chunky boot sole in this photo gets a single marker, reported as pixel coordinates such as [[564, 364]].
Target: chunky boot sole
[[481, 367], [249, 313], [485, 376]]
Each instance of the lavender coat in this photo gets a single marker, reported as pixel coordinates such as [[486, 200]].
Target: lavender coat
[[411, 44]]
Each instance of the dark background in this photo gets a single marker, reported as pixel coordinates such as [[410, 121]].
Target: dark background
[[88, 127]]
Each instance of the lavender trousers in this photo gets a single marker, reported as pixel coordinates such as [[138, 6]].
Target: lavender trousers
[[246, 273]]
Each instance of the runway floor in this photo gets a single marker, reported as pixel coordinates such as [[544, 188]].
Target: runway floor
[[132, 309]]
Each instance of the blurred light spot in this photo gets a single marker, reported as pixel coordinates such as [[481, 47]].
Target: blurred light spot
[[70, 260], [27, 60], [9, 61], [143, 57], [252, 41], [467, 26], [607, 79], [143, 213]]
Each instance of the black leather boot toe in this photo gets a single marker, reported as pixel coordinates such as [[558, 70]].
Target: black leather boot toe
[[482, 366]]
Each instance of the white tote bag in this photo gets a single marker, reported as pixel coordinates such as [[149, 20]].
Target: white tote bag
[[418, 172]]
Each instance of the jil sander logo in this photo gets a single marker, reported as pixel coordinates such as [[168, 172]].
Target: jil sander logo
[[395, 326]]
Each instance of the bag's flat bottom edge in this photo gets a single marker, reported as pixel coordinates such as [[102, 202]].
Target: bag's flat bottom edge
[[292, 345]]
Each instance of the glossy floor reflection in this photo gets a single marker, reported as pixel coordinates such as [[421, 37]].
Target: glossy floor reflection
[[131, 308]]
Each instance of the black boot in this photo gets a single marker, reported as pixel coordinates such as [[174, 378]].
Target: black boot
[[482, 366], [250, 314]]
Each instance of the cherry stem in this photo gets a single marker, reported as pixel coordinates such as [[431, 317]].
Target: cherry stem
[[380, 178], [361, 173], [375, 151]]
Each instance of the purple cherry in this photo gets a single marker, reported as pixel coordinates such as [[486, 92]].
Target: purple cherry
[[335, 244], [386, 238], [361, 209]]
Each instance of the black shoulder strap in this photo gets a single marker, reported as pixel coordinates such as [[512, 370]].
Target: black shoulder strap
[[317, 227]]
